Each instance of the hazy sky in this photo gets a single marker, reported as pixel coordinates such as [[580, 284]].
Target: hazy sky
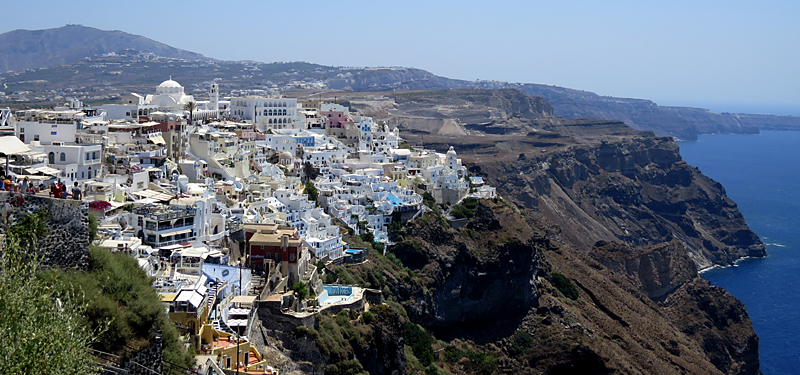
[[738, 56]]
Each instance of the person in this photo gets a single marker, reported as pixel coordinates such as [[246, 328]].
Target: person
[[64, 192], [76, 192], [53, 190], [24, 185]]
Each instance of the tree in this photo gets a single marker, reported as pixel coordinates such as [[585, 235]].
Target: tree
[[312, 191], [310, 171], [190, 106], [300, 290]]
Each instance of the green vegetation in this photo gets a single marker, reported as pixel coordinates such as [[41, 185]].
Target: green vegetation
[[480, 362], [312, 191], [121, 305], [300, 290], [368, 237], [93, 224], [310, 172], [336, 337], [466, 209], [429, 201], [420, 342], [565, 286], [367, 317], [521, 342], [461, 212], [45, 331]]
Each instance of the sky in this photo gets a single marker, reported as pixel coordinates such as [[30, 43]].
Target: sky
[[727, 56]]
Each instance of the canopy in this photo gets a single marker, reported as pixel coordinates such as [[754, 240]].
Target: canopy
[[11, 145], [159, 140]]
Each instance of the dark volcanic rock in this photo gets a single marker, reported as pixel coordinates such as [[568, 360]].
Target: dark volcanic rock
[[637, 191]]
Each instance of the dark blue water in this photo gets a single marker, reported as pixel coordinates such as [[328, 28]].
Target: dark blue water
[[761, 173]]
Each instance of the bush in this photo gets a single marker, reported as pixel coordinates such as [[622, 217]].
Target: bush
[[40, 325], [312, 191], [367, 317], [300, 290], [565, 286], [470, 203], [420, 342], [462, 212], [521, 342], [368, 237]]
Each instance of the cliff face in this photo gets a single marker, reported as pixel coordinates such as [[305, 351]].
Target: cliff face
[[637, 191], [481, 274], [485, 281]]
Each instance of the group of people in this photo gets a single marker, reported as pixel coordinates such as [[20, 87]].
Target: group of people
[[59, 190], [10, 183]]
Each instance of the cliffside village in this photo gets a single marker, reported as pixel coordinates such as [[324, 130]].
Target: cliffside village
[[212, 199]]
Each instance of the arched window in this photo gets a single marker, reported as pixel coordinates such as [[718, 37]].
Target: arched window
[[284, 112], [265, 112], [63, 157], [51, 158]]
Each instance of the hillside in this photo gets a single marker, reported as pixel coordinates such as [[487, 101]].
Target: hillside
[[32, 49], [72, 64]]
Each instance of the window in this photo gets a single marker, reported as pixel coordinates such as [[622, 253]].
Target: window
[[63, 157], [22, 130], [36, 137], [51, 158]]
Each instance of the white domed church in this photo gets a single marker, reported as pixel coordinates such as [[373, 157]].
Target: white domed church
[[169, 97]]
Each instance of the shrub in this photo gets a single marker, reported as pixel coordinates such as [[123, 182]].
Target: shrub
[[462, 212], [368, 237], [420, 342], [470, 203], [300, 290], [521, 342], [367, 317], [564, 285], [312, 191]]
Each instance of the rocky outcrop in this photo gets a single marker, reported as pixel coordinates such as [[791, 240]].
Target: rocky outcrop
[[66, 244], [657, 270], [717, 320], [480, 274], [634, 190]]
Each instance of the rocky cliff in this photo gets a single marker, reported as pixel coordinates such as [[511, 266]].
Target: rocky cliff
[[489, 290], [635, 190]]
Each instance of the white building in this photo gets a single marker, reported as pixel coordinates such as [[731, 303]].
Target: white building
[[266, 113]]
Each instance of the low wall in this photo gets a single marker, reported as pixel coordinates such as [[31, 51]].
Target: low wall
[[66, 244]]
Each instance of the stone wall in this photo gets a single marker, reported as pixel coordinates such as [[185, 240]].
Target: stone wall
[[66, 244]]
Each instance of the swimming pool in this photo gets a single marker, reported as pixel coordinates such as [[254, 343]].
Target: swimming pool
[[334, 293]]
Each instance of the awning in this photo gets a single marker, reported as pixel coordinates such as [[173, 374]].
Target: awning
[[159, 140], [147, 193], [11, 145], [182, 231]]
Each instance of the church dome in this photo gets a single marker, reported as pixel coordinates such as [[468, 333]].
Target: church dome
[[170, 83]]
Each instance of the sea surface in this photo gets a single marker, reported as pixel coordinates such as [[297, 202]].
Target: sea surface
[[761, 173]]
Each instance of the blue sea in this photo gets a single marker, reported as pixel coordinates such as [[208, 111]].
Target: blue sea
[[761, 173]]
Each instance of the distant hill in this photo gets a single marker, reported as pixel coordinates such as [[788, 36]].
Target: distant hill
[[63, 52], [31, 49]]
